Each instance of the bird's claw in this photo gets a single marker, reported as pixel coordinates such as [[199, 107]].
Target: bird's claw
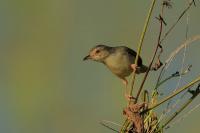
[[129, 97], [134, 67]]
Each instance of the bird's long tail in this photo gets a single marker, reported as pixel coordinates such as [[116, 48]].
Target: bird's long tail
[[143, 69]]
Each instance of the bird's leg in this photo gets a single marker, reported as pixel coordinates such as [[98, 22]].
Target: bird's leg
[[125, 82], [127, 96]]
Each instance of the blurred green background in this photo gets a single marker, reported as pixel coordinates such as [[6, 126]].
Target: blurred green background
[[45, 85]]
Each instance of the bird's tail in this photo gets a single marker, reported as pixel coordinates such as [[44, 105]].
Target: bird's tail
[[142, 69]]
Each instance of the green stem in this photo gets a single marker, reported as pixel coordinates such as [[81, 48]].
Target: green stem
[[154, 55], [141, 41], [179, 111], [176, 113], [174, 94], [173, 26], [166, 79], [145, 96], [137, 56], [124, 126]]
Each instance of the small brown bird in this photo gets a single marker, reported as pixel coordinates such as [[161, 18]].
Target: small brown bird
[[120, 60]]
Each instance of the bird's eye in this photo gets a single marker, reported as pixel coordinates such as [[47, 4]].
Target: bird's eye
[[97, 51]]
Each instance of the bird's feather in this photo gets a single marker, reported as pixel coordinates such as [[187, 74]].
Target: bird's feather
[[133, 53]]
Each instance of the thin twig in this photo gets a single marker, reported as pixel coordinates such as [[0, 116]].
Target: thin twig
[[187, 25], [185, 49], [154, 55], [174, 53], [194, 95], [179, 18], [183, 45], [174, 94], [103, 124], [111, 122], [141, 41], [189, 112], [176, 74], [125, 125], [182, 65]]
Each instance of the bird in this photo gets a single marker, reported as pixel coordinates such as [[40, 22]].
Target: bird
[[119, 60]]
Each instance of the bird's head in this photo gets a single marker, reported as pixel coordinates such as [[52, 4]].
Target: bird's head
[[98, 53]]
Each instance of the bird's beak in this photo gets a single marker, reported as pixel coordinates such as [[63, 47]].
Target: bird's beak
[[87, 57]]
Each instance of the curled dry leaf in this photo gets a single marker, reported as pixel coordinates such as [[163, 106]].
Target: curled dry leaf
[[157, 65]]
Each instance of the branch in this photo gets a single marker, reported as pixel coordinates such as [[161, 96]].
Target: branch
[[141, 41], [175, 93], [103, 124], [176, 74], [177, 50], [155, 52], [194, 93], [179, 18]]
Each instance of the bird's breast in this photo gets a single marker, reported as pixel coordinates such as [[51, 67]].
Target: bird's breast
[[119, 64]]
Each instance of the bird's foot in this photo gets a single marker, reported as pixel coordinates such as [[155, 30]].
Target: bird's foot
[[134, 67], [129, 97]]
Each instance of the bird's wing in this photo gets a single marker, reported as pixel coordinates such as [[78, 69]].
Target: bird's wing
[[133, 53]]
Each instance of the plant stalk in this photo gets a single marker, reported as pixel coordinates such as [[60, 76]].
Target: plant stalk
[[175, 93], [141, 41], [179, 111]]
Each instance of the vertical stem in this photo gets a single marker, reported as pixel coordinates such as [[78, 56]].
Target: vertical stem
[[137, 56], [154, 55], [141, 41]]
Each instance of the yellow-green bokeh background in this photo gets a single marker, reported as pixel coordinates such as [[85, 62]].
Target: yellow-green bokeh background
[[45, 85]]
